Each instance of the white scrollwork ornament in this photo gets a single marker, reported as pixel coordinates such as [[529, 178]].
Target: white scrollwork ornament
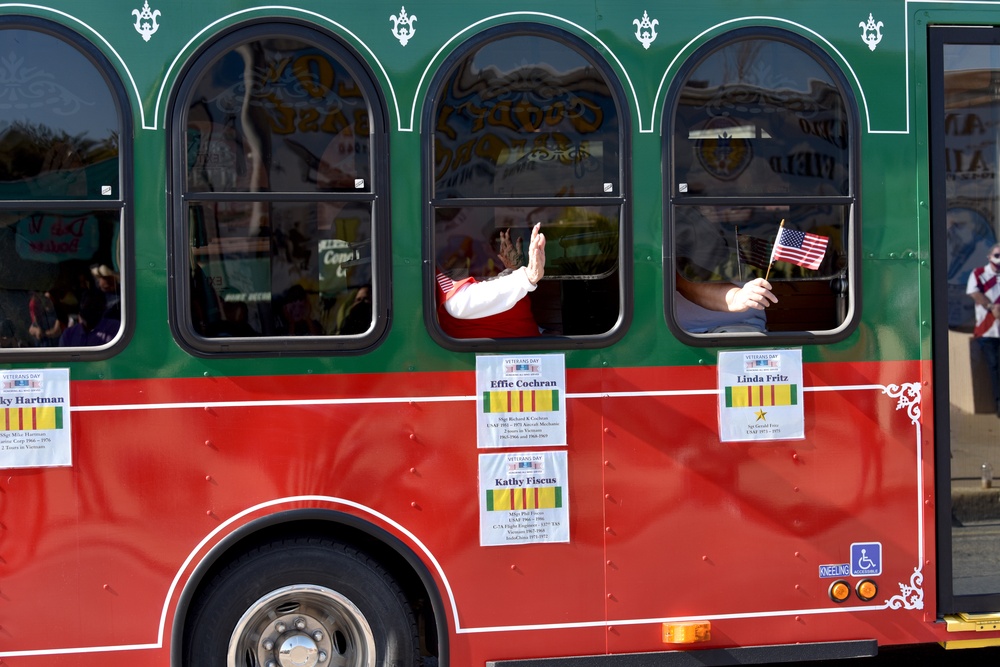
[[871, 32], [908, 396], [402, 26], [911, 595], [645, 30], [146, 21]]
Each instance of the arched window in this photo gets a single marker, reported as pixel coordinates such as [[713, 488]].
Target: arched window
[[761, 135], [279, 231], [525, 124], [64, 140]]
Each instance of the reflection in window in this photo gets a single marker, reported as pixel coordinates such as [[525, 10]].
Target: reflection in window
[[971, 122], [60, 271], [526, 129], [278, 192], [299, 275], [761, 132]]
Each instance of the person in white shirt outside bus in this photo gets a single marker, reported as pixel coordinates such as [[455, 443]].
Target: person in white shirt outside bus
[[984, 288]]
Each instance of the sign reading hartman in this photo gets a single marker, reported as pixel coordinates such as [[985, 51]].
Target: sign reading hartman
[[32, 400], [34, 419]]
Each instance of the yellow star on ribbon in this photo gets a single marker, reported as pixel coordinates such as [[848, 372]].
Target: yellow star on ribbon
[[760, 415]]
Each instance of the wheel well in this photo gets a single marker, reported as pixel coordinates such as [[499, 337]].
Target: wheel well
[[395, 557]]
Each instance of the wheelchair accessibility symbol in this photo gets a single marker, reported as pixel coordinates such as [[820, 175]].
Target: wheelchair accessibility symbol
[[866, 559]]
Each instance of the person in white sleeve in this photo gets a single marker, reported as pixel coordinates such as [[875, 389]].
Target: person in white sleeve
[[499, 307]]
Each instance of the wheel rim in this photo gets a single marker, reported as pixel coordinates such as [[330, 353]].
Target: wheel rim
[[302, 626]]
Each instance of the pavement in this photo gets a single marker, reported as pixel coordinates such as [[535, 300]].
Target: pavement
[[975, 442]]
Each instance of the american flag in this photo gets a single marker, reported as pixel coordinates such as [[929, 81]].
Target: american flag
[[799, 248], [753, 251]]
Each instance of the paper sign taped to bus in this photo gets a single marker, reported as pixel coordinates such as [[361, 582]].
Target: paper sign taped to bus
[[34, 418], [760, 395], [523, 498], [521, 400]]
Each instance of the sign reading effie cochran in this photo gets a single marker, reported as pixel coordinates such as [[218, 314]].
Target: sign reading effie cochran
[[521, 400]]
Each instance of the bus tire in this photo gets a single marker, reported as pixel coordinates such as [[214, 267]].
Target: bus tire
[[306, 602]]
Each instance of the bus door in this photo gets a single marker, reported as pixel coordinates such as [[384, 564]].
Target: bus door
[[964, 115]]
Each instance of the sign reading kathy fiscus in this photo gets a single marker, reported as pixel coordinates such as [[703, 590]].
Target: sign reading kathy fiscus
[[523, 498], [760, 395], [521, 400], [34, 419]]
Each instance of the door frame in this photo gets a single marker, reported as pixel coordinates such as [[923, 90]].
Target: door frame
[[937, 38]]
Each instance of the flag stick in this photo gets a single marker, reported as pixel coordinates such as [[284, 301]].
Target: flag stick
[[739, 260], [773, 246]]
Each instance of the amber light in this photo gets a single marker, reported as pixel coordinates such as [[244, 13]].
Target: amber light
[[687, 632], [866, 589], [840, 590]]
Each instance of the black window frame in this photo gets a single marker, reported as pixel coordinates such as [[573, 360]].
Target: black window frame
[[672, 198], [621, 200], [122, 204], [376, 197]]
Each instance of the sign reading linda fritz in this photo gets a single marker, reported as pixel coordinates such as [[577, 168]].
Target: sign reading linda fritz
[[523, 498], [522, 400], [760, 395], [34, 419]]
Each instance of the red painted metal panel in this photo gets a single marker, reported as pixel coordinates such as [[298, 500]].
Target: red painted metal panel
[[666, 521], [704, 529]]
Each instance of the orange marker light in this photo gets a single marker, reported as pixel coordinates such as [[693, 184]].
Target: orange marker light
[[687, 632], [840, 590], [866, 589]]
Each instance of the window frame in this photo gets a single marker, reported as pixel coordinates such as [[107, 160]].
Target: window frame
[[851, 202], [122, 204], [376, 197], [622, 200]]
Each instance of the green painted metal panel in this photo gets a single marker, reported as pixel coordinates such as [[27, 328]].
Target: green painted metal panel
[[894, 258]]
